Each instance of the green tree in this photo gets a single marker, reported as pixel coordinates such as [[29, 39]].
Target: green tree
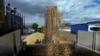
[[35, 26]]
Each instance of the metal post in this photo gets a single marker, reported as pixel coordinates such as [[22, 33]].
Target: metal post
[[94, 41], [23, 21], [18, 21], [15, 23], [12, 20]]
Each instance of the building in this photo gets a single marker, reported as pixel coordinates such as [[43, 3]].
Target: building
[[40, 28], [96, 23], [1, 6], [2, 11], [92, 26]]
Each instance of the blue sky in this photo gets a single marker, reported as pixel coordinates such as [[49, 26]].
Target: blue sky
[[72, 11]]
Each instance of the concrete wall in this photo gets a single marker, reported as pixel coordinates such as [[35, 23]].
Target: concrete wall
[[90, 40], [97, 41], [6, 45], [85, 38], [8, 41]]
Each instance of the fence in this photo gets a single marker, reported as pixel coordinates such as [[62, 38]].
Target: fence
[[89, 40], [10, 43], [13, 20]]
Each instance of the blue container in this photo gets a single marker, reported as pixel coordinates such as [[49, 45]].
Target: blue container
[[75, 28]]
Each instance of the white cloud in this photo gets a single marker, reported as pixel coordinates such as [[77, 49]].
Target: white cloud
[[75, 10]]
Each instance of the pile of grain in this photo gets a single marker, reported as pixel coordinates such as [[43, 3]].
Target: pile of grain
[[31, 39]]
